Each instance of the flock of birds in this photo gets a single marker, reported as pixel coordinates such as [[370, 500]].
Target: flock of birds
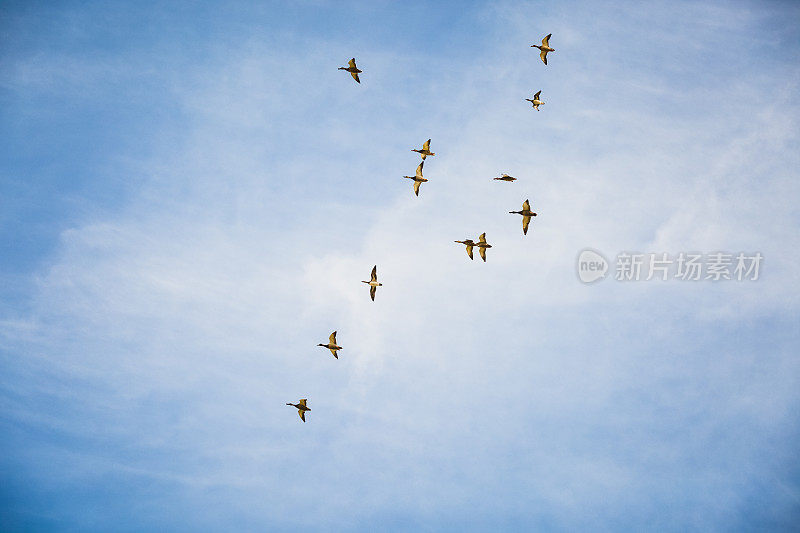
[[418, 179]]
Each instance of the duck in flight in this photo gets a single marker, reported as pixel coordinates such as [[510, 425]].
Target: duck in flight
[[526, 216], [536, 102], [332, 346], [373, 282], [469, 244], [301, 408], [482, 246], [506, 177], [426, 150], [418, 179], [352, 69], [545, 47]]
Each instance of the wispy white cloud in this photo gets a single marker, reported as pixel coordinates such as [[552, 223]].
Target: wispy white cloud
[[172, 332]]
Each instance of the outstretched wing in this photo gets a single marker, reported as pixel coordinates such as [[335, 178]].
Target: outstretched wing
[[419, 169], [546, 40], [352, 63], [303, 402], [334, 353], [302, 414], [482, 238], [427, 145], [482, 251], [416, 187], [536, 96], [525, 221], [372, 291], [526, 206], [332, 338], [469, 250], [374, 276], [542, 54], [355, 75]]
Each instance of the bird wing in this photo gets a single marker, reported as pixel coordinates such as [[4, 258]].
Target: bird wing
[[536, 96], [542, 54], [355, 76], [469, 250], [334, 353], [332, 338], [303, 402], [374, 276], [372, 291], [546, 40], [525, 221], [526, 206], [302, 414], [427, 145], [352, 63], [482, 238], [482, 251], [419, 169], [416, 187]]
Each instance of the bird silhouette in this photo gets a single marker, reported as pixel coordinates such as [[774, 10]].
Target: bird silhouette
[[544, 47], [373, 283], [418, 179], [332, 346], [352, 69], [301, 408], [426, 150], [526, 215]]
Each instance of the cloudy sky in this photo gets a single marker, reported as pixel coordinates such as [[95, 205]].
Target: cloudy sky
[[190, 194]]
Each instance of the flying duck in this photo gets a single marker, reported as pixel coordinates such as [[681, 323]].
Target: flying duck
[[482, 246], [301, 408], [373, 282], [469, 244], [426, 150], [526, 216], [418, 179], [536, 102], [332, 346], [506, 177], [545, 47], [352, 69]]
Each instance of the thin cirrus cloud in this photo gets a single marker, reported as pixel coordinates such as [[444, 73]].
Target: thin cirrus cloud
[[151, 365]]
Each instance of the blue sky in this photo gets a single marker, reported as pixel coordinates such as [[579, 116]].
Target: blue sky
[[190, 194]]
